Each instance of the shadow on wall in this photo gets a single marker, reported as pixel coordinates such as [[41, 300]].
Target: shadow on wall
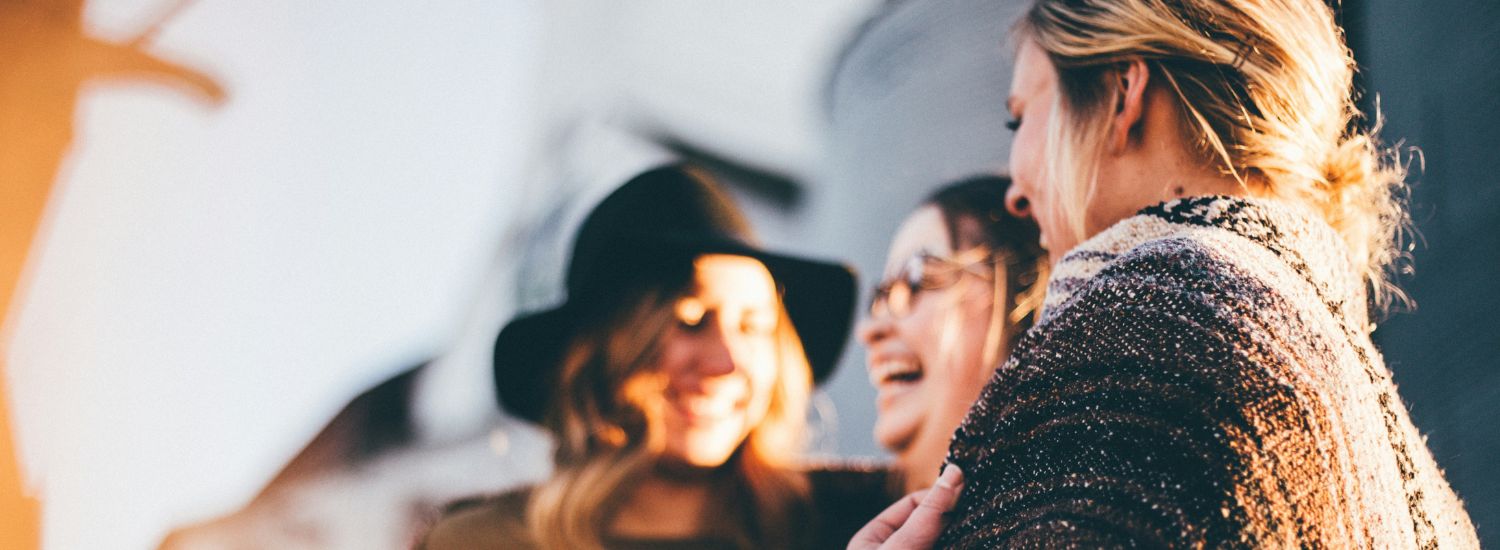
[[48, 59]]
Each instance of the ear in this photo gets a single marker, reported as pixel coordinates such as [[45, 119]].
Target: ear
[[1130, 108]]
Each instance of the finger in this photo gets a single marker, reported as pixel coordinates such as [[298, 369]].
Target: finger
[[925, 523], [944, 493], [874, 533]]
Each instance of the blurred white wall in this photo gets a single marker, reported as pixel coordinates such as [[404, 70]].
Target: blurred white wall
[[215, 283]]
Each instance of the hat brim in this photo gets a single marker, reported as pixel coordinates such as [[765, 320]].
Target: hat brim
[[819, 298], [527, 353]]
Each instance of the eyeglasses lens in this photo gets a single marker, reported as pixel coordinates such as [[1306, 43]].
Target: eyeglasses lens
[[894, 296]]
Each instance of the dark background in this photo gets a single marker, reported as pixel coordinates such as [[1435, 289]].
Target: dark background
[[1434, 70]]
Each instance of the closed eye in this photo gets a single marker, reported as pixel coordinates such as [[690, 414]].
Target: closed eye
[[758, 323]]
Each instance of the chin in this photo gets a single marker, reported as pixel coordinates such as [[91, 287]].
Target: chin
[[705, 452], [704, 461], [895, 438]]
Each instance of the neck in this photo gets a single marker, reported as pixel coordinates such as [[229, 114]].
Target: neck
[[1150, 179], [671, 504], [1157, 164]]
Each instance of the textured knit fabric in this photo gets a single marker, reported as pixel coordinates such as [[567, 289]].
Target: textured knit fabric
[[1202, 376]]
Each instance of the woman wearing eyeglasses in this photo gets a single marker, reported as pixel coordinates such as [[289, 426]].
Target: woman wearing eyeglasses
[[960, 287]]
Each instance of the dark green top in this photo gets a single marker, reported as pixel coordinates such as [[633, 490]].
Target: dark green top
[[843, 499]]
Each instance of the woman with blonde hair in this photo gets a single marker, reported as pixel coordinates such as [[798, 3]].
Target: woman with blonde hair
[[675, 381], [1202, 374]]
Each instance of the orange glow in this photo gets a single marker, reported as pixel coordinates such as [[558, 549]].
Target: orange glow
[[20, 515], [48, 58]]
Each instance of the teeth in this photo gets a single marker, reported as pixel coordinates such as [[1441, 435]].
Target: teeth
[[886, 370], [708, 406]]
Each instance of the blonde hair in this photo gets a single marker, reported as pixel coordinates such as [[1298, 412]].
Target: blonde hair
[[1266, 90], [608, 431]]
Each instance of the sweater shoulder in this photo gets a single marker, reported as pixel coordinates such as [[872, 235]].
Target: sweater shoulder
[[1183, 280], [1170, 359], [495, 521], [1183, 263]]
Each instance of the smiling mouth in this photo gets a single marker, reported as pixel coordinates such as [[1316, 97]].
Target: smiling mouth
[[705, 407], [895, 372]]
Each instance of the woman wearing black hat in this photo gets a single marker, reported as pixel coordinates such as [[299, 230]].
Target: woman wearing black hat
[[675, 380]]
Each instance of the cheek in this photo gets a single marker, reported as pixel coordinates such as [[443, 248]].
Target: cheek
[[762, 386], [935, 332], [976, 337], [671, 357], [920, 329], [759, 362], [1028, 158], [957, 338], [1023, 160]]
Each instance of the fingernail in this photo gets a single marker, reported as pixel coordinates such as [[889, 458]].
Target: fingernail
[[952, 476]]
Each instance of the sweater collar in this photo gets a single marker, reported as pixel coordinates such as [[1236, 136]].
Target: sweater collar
[[1298, 237]]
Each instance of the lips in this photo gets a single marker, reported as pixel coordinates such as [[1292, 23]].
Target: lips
[[705, 406], [899, 400], [893, 380], [895, 371]]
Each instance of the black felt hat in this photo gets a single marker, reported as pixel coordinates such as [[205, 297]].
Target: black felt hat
[[670, 212]]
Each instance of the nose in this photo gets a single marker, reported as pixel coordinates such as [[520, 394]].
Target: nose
[[1016, 202], [875, 332], [715, 358], [872, 330]]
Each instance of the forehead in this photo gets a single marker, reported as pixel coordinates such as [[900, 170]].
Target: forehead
[[1033, 72], [726, 279], [923, 230]]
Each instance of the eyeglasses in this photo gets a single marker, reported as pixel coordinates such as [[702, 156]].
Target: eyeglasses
[[896, 295]]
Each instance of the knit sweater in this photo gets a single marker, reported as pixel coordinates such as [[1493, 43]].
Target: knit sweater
[[1202, 376]]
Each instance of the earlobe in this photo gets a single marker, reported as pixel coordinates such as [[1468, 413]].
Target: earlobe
[[1130, 103]]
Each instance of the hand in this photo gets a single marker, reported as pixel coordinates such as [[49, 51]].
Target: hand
[[916, 520]]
